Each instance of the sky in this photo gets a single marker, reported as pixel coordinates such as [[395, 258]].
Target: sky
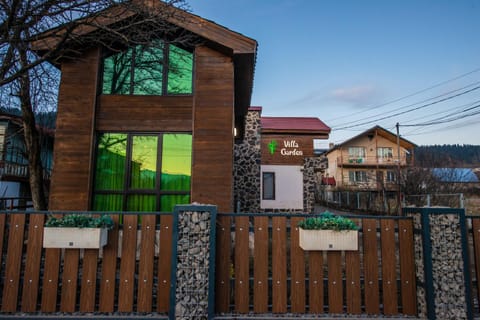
[[356, 64]]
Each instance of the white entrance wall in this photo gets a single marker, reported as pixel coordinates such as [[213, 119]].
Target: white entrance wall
[[288, 187]]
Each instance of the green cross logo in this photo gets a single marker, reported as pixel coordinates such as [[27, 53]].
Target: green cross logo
[[272, 146]]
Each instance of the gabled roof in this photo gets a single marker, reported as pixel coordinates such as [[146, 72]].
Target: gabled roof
[[236, 42], [242, 49], [305, 125], [382, 132]]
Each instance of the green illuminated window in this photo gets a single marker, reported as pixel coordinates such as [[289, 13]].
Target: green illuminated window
[[142, 172], [157, 69]]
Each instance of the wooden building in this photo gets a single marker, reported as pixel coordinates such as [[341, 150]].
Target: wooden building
[[369, 161], [160, 130], [14, 173]]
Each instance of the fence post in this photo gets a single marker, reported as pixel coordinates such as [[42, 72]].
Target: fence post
[[192, 293], [441, 259]]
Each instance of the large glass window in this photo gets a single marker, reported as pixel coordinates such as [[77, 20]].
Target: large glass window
[[142, 172], [156, 69]]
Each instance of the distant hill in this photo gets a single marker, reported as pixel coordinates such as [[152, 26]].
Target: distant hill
[[448, 156]]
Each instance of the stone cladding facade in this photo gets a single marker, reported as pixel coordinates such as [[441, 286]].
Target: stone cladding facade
[[246, 169], [247, 155]]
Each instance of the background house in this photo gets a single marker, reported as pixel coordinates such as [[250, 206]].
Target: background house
[[14, 174], [368, 161]]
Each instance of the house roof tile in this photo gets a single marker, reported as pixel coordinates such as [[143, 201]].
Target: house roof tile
[[301, 124]]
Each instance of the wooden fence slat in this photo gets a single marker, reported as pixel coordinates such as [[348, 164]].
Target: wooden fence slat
[[89, 280], [407, 266], [69, 280], [164, 263], [3, 217], [315, 276], [50, 280], [297, 263], [145, 268], [335, 282], [242, 259], [127, 264], [13, 263], [370, 260], [279, 265], [32, 263], [223, 267], [352, 276], [260, 265], [389, 267], [109, 270]]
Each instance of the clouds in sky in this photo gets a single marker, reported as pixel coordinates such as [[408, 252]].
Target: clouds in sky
[[357, 95]]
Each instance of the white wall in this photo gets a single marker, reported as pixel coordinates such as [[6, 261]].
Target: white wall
[[288, 187]]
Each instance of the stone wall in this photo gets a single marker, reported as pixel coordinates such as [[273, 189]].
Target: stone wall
[[310, 181], [247, 160]]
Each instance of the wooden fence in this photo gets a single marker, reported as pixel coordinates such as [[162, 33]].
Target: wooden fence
[[130, 274], [262, 269]]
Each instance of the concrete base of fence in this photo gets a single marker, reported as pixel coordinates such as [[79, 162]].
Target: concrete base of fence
[[441, 262], [193, 276]]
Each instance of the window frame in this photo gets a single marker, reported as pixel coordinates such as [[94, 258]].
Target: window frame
[[381, 154], [272, 174], [391, 176], [357, 176], [128, 190], [165, 70], [357, 155]]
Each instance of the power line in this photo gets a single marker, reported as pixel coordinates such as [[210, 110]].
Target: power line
[[409, 110], [412, 104], [453, 117], [413, 94]]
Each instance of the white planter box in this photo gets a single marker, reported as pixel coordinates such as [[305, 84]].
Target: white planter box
[[328, 240], [74, 238]]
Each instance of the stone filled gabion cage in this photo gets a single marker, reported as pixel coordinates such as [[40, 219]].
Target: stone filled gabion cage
[[442, 265], [194, 274]]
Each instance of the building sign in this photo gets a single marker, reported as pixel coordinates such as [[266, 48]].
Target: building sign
[[288, 148]]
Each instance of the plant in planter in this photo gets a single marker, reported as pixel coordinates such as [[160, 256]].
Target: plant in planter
[[328, 232], [77, 231]]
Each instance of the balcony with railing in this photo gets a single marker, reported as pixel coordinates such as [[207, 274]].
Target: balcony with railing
[[14, 170], [371, 161]]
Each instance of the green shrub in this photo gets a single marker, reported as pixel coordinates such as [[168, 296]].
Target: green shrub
[[80, 221], [327, 221]]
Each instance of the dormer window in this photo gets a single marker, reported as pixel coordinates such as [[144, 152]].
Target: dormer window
[[159, 68]]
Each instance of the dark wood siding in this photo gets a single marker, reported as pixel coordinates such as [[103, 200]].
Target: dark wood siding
[[213, 115], [209, 114], [70, 184], [144, 113], [305, 145]]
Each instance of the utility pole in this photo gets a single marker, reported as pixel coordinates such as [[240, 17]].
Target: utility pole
[[399, 191]]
